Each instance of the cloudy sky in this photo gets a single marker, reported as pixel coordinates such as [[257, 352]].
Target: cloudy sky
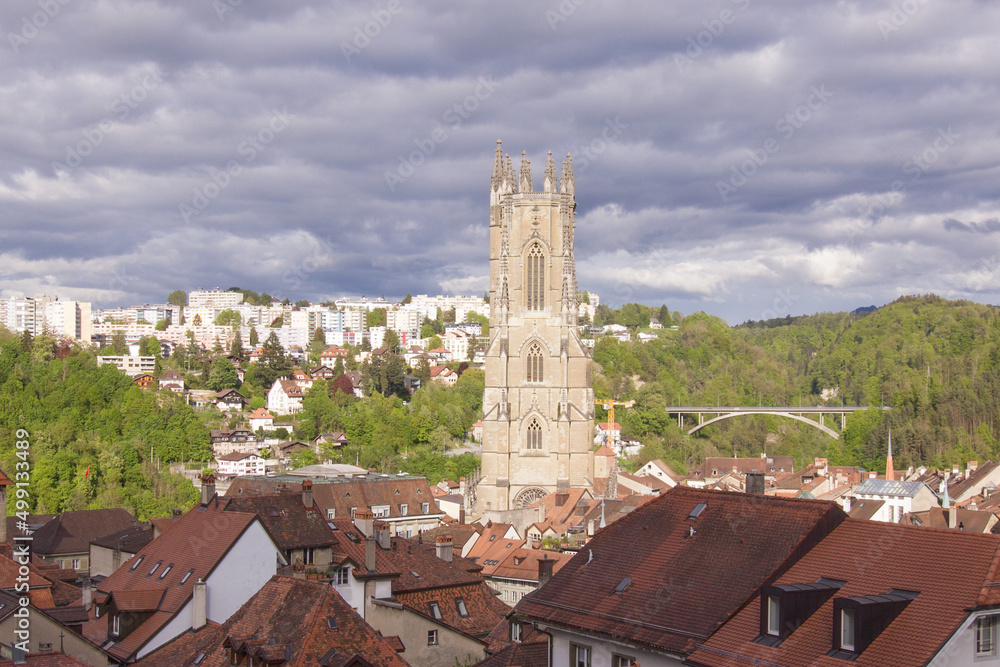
[[748, 158]]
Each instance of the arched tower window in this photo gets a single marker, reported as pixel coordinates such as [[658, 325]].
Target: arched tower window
[[535, 370], [534, 435], [534, 287]]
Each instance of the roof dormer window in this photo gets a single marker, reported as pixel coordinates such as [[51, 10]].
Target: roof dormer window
[[860, 619], [784, 607]]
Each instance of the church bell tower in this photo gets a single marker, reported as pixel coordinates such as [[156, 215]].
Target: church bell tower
[[538, 405]]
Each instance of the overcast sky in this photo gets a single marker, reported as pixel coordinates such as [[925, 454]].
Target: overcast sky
[[748, 158]]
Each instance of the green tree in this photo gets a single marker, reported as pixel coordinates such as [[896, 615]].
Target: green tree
[[162, 324], [197, 320], [302, 303], [427, 330], [434, 343], [273, 362], [423, 371], [177, 298], [391, 341], [223, 375], [118, 344], [236, 348], [254, 339], [375, 318], [406, 299], [228, 318]]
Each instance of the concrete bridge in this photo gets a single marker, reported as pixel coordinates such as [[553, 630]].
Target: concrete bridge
[[797, 413]]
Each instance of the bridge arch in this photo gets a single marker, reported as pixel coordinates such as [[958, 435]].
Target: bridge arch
[[823, 427]]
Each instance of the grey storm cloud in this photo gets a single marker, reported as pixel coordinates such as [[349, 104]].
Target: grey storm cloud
[[749, 158]]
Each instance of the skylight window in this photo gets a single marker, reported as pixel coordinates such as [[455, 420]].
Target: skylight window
[[165, 570], [435, 610], [462, 610], [158, 563], [698, 509], [416, 575], [625, 583], [136, 564], [186, 576]]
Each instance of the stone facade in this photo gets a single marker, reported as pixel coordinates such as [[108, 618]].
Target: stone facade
[[538, 405]]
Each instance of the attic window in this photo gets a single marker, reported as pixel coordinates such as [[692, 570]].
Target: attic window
[[462, 610], [136, 564], [625, 583], [197, 660], [154, 568], [165, 570], [272, 512], [435, 610], [331, 623], [859, 620], [698, 509], [416, 575], [784, 607], [186, 576]]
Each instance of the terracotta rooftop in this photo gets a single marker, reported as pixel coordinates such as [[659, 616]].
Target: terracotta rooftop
[[519, 654], [289, 622], [670, 572], [71, 532], [129, 540], [292, 525], [872, 559]]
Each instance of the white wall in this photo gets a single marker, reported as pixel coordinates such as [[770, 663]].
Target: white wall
[[601, 651]]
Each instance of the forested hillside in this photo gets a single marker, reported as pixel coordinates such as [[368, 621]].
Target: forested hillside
[[80, 417], [935, 362]]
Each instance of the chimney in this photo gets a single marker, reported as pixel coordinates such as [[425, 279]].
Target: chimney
[[176, 513], [87, 594], [382, 536], [199, 605], [971, 467], [847, 504], [755, 483], [207, 489], [541, 512], [364, 521], [461, 486], [18, 655], [370, 554], [461, 514], [444, 547], [307, 493], [953, 517], [545, 566], [590, 528]]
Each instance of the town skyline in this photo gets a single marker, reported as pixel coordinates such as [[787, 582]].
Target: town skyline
[[746, 159]]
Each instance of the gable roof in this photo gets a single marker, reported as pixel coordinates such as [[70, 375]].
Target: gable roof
[[173, 548], [71, 532], [260, 413], [292, 524], [679, 575], [889, 487], [296, 623], [873, 558], [129, 540]]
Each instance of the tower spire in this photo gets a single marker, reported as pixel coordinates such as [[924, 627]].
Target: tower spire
[[890, 473], [497, 168], [508, 170], [568, 182], [525, 185], [550, 184]]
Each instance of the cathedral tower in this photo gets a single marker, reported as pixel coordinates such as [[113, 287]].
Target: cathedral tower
[[538, 406]]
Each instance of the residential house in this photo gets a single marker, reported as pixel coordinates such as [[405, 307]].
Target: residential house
[[171, 380], [979, 482], [661, 471], [237, 440], [289, 622], [200, 570], [64, 540], [330, 355], [285, 396], [229, 400], [144, 380], [714, 467], [49, 641], [403, 501], [651, 587], [607, 433], [284, 451], [954, 518], [111, 551], [322, 373], [337, 439], [260, 419], [898, 498], [443, 375], [238, 464], [130, 365], [871, 594], [457, 342]]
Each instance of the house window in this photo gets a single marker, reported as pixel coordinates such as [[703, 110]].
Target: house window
[[534, 436], [425, 507], [331, 514], [622, 660], [435, 610], [773, 616], [307, 555], [534, 288], [76, 563], [534, 372], [115, 625], [986, 635], [515, 632], [460, 605], [343, 576], [432, 637], [404, 510], [847, 629], [579, 655], [45, 646]]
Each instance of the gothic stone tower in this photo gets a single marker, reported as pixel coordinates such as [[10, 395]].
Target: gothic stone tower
[[538, 406]]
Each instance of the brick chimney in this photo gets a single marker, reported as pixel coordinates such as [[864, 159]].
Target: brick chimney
[[307, 493], [364, 521], [953, 517], [370, 547], [207, 489], [545, 566], [755, 483], [88, 592], [199, 605], [444, 546], [382, 535]]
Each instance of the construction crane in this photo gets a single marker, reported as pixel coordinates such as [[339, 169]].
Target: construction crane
[[609, 405]]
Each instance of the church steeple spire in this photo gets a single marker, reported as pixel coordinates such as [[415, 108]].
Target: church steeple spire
[[890, 473], [550, 186], [497, 168], [525, 185], [568, 182]]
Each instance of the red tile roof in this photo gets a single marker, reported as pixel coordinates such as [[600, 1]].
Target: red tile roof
[[518, 654], [680, 576], [291, 524], [952, 572], [293, 622], [71, 532]]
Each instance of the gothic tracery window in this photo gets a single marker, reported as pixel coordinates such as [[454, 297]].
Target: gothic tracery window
[[535, 370], [534, 288], [534, 435]]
